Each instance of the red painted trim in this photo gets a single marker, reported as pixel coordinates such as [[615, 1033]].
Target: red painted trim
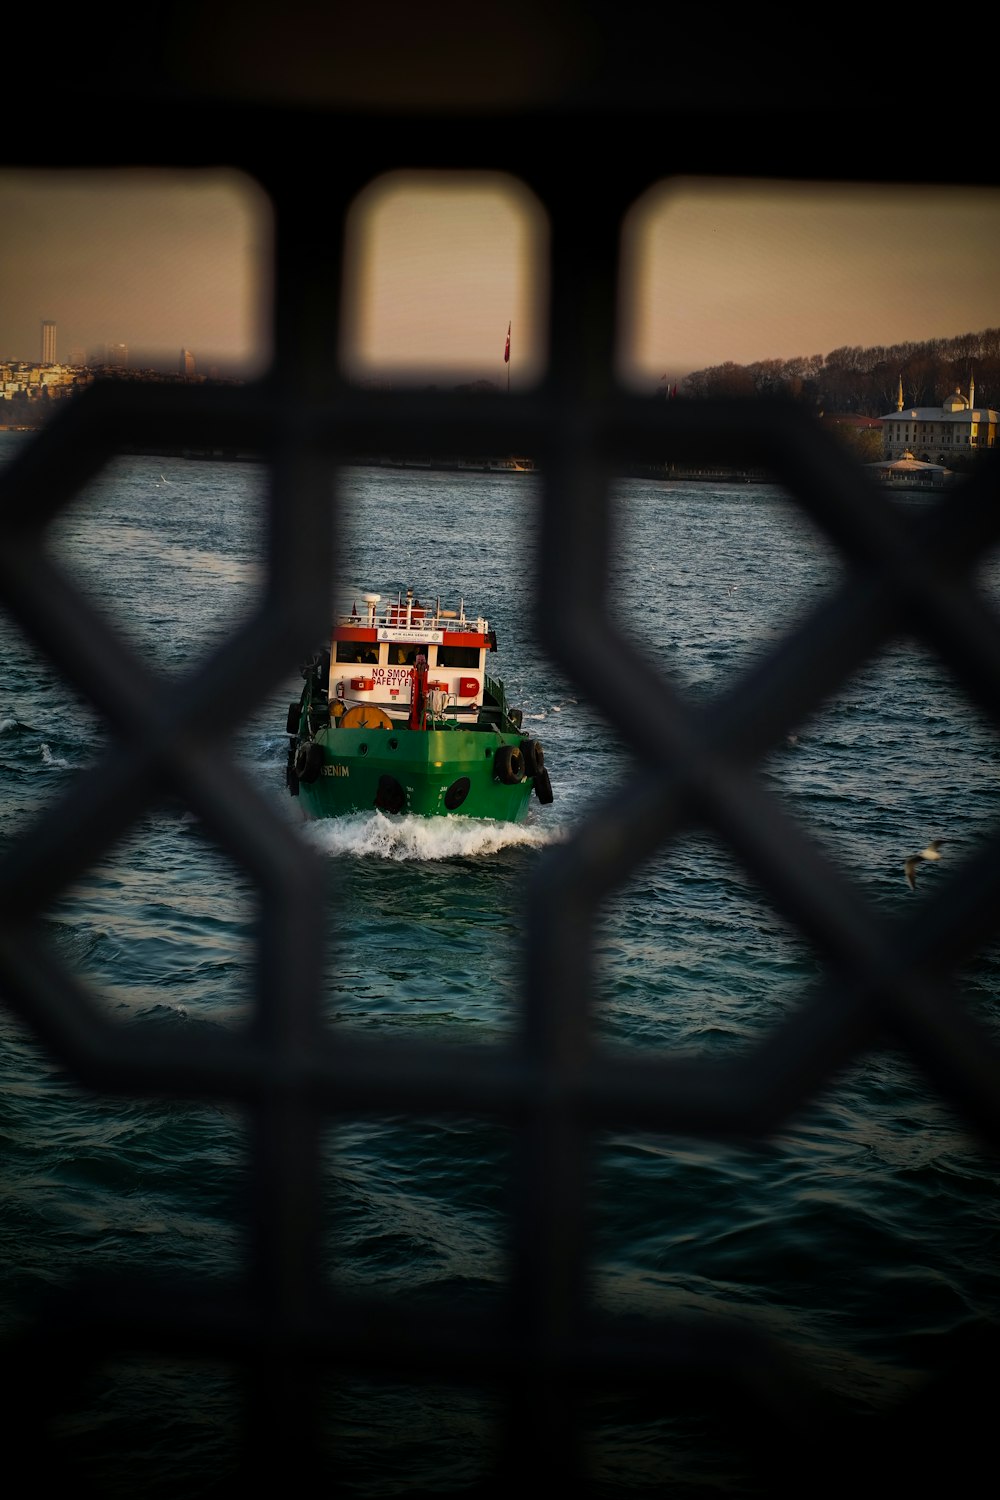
[[352, 633], [463, 638]]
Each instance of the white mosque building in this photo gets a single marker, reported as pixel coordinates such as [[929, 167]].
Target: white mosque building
[[956, 430]]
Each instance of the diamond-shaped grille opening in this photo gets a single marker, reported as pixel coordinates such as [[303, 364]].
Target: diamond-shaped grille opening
[[137, 1418], [377, 1435], [162, 928], [195, 240], [417, 1210], [210, 544], [447, 221], [701, 587], [384, 967], [921, 739], [709, 263], [667, 1245], [692, 957], [632, 1444], [47, 753]]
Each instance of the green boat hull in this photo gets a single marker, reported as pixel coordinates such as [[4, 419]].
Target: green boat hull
[[439, 772]]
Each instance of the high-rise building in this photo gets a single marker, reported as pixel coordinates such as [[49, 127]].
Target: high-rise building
[[48, 343], [186, 364], [118, 356]]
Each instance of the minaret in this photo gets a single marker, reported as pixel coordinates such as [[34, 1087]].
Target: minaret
[[899, 398], [972, 390]]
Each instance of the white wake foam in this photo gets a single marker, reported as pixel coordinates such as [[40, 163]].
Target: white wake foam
[[55, 761], [380, 837]]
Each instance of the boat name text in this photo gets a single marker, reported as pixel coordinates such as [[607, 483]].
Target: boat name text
[[406, 633]]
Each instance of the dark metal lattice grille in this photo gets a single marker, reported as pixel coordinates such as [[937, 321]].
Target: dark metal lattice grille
[[552, 1086]]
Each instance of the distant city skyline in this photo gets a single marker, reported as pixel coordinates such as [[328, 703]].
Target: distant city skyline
[[155, 261], [50, 353], [713, 272]]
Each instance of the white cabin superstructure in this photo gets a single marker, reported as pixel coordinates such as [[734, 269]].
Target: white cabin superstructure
[[374, 654]]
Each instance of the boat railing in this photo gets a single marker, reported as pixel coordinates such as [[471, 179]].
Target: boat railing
[[495, 704], [398, 616]]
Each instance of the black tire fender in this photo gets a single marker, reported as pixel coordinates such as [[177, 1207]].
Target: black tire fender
[[291, 780], [534, 757], [508, 765], [308, 761], [543, 787]]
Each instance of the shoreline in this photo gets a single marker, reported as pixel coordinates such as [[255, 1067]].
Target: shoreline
[[663, 474]]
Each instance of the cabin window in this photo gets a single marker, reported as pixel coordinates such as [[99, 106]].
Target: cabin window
[[458, 656], [405, 655], [356, 651]]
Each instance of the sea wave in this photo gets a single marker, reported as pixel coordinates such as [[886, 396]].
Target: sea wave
[[376, 836]]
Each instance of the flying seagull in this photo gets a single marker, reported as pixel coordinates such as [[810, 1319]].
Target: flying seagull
[[933, 851]]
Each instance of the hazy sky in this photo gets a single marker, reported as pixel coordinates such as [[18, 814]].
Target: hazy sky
[[714, 272]]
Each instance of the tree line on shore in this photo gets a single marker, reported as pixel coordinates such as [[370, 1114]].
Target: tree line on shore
[[852, 380], [864, 381]]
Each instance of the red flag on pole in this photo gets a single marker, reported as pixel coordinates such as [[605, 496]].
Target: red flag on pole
[[506, 352]]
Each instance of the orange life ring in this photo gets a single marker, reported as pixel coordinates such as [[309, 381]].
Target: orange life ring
[[365, 716]]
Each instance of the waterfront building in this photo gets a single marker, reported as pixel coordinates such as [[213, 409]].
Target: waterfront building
[[958, 429], [35, 383], [48, 342]]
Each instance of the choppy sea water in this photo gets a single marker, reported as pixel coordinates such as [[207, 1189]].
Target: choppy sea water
[[864, 1235]]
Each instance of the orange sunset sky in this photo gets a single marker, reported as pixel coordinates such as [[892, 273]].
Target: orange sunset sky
[[712, 272]]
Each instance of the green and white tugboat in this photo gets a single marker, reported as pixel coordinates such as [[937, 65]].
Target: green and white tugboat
[[400, 715]]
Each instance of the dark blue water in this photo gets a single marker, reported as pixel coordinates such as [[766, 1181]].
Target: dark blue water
[[864, 1236]]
